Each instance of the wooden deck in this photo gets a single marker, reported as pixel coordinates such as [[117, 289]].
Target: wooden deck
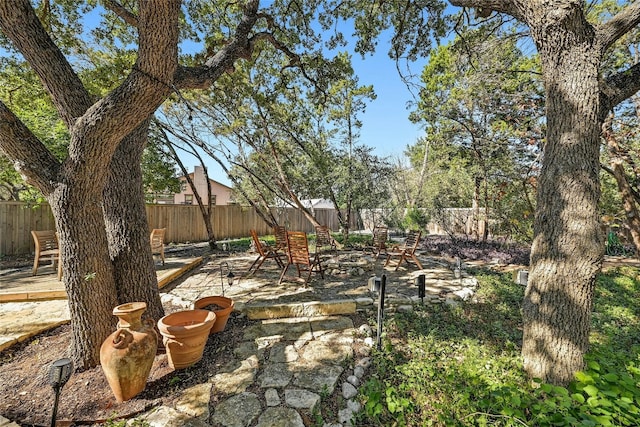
[[19, 285]]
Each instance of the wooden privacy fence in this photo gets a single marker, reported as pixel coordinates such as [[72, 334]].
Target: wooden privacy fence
[[16, 222], [183, 223]]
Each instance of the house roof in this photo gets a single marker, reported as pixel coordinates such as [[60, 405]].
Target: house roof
[[213, 181], [317, 203]]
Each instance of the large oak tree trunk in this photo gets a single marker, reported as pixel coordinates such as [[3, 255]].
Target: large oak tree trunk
[[77, 209], [568, 246], [127, 227]]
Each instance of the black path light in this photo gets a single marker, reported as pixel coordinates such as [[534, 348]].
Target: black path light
[[229, 276], [422, 287], [59, 374], [383, 285]]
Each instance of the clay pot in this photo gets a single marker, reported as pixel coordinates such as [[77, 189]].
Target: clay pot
[[126, 356], [222, 315], [184, 334]]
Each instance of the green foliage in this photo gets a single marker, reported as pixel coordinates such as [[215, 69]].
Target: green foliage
[[616, 315], [355, 240], [243, 244], [415, 219], [158, 169], [288, 139], [22, 92], [482, 108], [450, 182], [620, 138], [462, 367], [610, 200], [613, 245]]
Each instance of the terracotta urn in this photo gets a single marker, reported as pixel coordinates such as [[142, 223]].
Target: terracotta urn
[[224, 308], [184, 334], [126, 356]]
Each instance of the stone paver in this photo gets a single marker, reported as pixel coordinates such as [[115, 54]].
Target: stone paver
[[276, 375], [238, 411], [280, 417], [195, 401], [22, 320], [301, 399]]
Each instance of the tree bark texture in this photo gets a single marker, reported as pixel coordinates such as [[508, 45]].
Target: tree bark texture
[[568, 245], [127, 226], [104, 235], [88, 278]]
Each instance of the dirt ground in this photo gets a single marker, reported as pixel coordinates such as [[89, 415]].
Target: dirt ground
[[27, 398]]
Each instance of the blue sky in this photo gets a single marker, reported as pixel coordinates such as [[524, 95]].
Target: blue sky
[[386, 125]]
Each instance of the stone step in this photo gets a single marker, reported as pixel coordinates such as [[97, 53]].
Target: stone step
[[304, 309]]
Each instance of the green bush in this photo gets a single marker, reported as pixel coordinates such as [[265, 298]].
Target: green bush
[[415, 219]]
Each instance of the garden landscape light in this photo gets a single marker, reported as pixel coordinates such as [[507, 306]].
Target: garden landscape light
[[230, 276], [457, 271], [374, 284], [421, 287], [59, 374], [383, 285], [523, 277]]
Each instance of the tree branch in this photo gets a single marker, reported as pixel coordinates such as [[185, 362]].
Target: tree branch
[[485, 7], [619, 87], [619, 25], [238, 47], [150, 80], [122, 12], [125, 107], [32, 159], [21, 25]]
